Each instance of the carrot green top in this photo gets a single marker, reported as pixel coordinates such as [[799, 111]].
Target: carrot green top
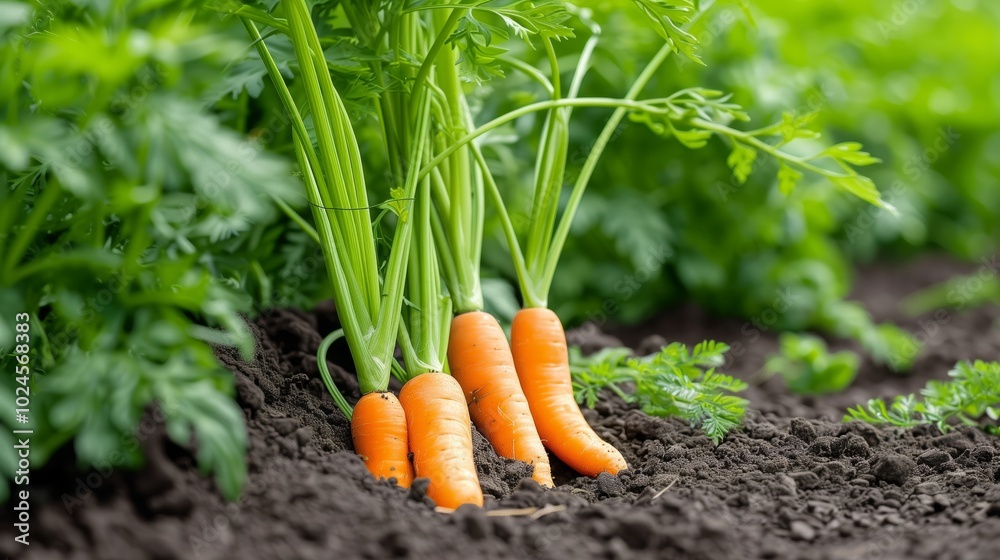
[[689, 115], [459, 174], [459, 183], [368, 304]]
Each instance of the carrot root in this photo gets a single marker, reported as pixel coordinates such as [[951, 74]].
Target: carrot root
[[378, 429], [481, 362], [538, 343], [440, 431]]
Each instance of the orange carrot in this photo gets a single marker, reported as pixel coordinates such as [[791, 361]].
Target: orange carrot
[[480, 360], [378, 428], [437, 420], [538, 342]]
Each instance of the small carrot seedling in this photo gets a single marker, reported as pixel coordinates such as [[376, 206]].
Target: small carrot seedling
[[971, 398], [674, 382]]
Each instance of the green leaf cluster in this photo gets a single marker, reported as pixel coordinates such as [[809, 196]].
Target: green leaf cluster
[[668, 19], [970, 398], [696, 114], [482, 26], [809, 368], [135, 228], [674, 382]]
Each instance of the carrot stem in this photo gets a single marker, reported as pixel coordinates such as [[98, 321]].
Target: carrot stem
[[562, 231], [368, 298], [324, 372]]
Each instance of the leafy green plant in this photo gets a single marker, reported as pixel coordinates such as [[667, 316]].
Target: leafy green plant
[[131, 222], [480, 30], [694, 115], [938, 149], [971, 398], [959, 293], [675, 382], [809, 368], [887, 343]]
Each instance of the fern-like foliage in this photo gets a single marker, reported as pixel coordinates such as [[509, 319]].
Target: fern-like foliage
[[971, 397], [694, 115], [484, 25], [135, 224], [675, 382], [669, 19]]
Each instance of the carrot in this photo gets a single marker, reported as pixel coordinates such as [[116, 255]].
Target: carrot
[[440, 431], [538, 342], [378, 428], [480, 360]]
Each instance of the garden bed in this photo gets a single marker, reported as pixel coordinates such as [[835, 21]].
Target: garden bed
[[793, 482]]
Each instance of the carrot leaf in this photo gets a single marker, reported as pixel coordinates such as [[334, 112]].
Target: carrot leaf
[[692, 116], [674, 382], [668, 19], [971, 398]]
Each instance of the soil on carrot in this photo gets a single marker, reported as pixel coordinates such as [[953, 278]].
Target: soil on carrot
[[794, 482]]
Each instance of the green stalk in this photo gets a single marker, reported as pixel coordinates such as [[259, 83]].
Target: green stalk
[[583, 65], [387, 119], [324, 372], [411, 356], [419, 334], [424, 328], [520, 268], [358, 320], [371, 342], [13, 202], [623, 104], [464, 221], [441, 241], [295, 217], [550, 169], [430, 60], [311, 168], [549, 173], [346, 268], [562, 232], [529, 71], [479, 198], [384, 340], [749, 139], [338, 149], [43, 203], [442, 202]]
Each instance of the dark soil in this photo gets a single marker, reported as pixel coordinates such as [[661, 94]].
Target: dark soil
[[794, 482]]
